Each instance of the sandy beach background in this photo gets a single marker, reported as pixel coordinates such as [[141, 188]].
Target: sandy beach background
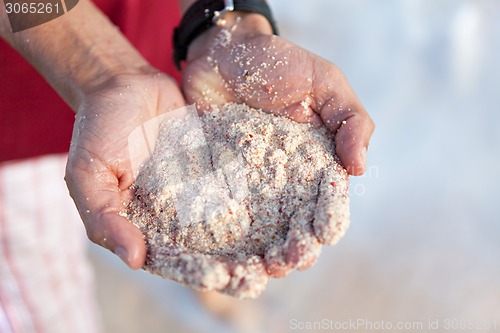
[[422, 252]]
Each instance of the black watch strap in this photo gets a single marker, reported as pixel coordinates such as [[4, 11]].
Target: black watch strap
[[199, 17]]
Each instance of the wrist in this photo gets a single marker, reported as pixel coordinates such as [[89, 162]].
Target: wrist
[[203, 15], [92, 52], [241, 25], [102, 66]]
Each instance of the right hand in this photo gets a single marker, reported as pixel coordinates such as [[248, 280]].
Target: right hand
[[99, 171]]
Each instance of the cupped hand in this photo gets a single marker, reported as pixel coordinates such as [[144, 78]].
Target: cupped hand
[[99, 171], [241, 64], [270, 73]]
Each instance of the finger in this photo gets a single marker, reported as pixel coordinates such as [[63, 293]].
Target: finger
[[242, 278], [331, 218], [353, 127], [352, 140], [99, 201], [276, 262], [300, 251], [198, 271], [344, 114], [301, 248], [248, 278]]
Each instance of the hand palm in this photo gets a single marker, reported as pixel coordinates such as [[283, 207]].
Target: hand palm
[[265, 72], [99, 170], [269, 73]]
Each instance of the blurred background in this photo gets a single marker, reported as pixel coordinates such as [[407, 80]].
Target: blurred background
[[422, 253]]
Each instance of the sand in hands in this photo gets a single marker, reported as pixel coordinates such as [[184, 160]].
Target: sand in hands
[[244, 196]]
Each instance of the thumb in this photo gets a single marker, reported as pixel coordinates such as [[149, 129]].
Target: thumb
[[353, 127], [99, 201]]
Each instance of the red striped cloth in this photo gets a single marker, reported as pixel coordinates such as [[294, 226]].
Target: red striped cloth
[[45, 279]]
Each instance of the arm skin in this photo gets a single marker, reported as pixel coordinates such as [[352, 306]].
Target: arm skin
[[112, 89], [75, 52]]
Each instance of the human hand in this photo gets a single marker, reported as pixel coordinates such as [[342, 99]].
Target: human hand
[[99, 171], [246, 64]]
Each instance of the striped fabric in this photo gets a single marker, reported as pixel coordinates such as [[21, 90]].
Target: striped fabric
[[45, 278]]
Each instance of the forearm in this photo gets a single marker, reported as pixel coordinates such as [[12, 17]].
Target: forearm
[[76, 52]]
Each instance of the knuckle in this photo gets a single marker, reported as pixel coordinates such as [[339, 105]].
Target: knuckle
[[94, 234]]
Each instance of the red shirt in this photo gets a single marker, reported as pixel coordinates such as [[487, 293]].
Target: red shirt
[[34, 120]]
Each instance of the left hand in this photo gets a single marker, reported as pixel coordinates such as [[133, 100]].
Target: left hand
[[244, 63]]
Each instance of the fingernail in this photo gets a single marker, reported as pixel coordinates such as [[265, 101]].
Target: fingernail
[[122, 253], [362, 156]]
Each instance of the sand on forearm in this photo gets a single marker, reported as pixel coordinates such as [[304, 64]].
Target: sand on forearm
[[222, 206]]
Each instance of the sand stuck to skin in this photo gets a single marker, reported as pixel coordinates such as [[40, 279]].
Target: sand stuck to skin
[[245, 196]]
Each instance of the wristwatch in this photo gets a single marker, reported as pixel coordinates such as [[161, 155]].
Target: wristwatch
[[203, 14]]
